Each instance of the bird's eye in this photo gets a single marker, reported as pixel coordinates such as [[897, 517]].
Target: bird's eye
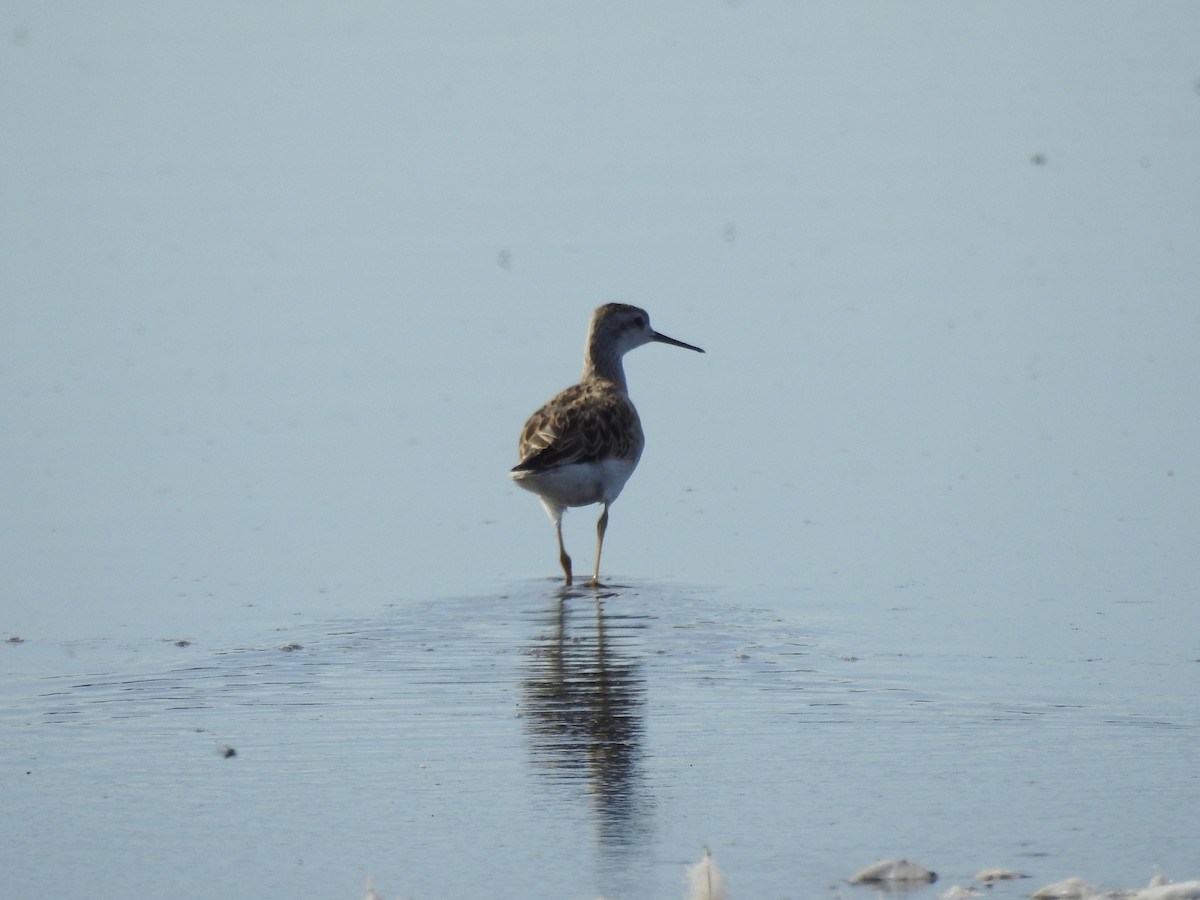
[[640, 321]]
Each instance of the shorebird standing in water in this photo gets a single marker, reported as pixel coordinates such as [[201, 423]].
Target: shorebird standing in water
[[582, 446]]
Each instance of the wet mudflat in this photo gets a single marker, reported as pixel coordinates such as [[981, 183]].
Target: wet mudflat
[[587, 744]]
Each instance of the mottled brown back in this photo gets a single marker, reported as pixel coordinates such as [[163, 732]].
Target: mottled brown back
[[586, 422]]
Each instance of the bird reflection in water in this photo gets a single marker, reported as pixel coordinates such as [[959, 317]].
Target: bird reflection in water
[[584, 700]]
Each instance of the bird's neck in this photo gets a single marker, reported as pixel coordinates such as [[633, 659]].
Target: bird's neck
[[601, 363]]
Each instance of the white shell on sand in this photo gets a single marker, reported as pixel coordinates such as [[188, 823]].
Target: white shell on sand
[[1158, 889], [1183, 890], [959, 892], [706, 881], [1067, 889], [893, 870]]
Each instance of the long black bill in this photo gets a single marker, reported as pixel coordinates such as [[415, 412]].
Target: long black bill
[[663, 339]]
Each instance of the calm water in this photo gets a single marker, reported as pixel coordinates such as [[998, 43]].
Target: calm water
[[908, 567], [531, 744]]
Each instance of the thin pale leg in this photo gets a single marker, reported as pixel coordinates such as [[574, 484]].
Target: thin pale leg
[[601, 527], [563, 559]]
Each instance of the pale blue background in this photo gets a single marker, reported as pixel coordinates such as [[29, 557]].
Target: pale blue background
[[257, 331]]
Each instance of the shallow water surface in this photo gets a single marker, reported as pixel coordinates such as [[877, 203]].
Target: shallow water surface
[[580, 744]]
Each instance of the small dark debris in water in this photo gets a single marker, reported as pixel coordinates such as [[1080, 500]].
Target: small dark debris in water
[[1038, 159], [15, 639], [288, 648], [183, 643], [227, 752], [987, 875]]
